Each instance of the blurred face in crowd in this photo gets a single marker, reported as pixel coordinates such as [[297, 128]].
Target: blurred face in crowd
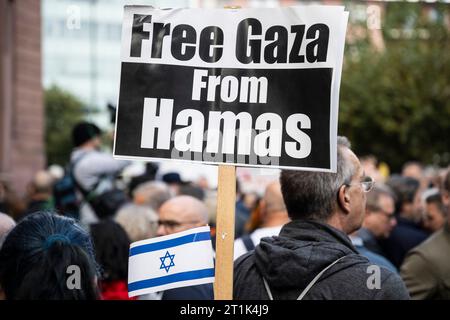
[[417, 206], [250, 200], [414, 171], [413, 210], [97, 142], [382, 220], [181, 213], [434, 219]]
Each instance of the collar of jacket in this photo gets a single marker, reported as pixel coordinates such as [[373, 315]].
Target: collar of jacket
[[367, 236], [315, 231], [447, 229]]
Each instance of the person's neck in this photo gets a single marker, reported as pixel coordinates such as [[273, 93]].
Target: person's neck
[[87, 147], [408, 216], [336, 223], [276, 219], [366, 226], [40, 197]]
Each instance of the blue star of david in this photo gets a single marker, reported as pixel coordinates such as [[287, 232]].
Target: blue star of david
[[163, 259]]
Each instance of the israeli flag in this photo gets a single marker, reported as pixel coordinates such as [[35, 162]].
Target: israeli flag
[[178, 260]]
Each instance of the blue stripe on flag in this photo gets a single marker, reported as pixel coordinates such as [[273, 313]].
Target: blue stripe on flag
[[195, 237], [182, 276]]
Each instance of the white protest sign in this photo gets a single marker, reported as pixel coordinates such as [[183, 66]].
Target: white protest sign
[[248, 87]]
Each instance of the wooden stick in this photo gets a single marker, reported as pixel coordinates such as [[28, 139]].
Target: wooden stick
[[226, 203]]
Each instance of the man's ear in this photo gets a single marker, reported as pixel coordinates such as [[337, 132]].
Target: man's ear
[[262, 206], [2, 294], [446, 198], [343, 199]]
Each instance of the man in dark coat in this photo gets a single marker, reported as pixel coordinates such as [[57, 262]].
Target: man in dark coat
[[408, 233], [313, 258]]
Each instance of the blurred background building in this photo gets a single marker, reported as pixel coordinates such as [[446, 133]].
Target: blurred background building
[[81, 49], [22, 147]]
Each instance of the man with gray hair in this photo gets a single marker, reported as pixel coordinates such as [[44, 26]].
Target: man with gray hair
[[273, 217], [152, 194], [40, 192], [379, 220], [140, 222], [313, 257]]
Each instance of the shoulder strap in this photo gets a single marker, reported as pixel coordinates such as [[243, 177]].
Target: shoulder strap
[[309, 286], [72, 165], [248, 242]]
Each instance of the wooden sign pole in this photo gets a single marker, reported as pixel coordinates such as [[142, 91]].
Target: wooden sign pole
[[226, 203]]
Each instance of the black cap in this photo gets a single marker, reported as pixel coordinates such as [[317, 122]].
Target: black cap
[[83, 132], [172, 177]]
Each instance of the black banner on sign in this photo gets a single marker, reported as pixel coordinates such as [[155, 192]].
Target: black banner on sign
[[257, 117]]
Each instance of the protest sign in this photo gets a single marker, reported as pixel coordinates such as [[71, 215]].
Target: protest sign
[[248, 87]]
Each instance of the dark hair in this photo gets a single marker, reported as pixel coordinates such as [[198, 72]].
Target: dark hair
[[36, 256], [404, 188], [112, 245], [312, 195], [373, 197], [172, 177], [436, 198], [446, 182], [83, 132], [150, 173], [193, 191]]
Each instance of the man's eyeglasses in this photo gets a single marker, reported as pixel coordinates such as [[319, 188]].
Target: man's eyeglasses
[[388, 215], [366, 182]]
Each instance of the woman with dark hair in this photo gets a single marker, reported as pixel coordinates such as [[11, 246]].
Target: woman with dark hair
[[48, 257], [112, 245]]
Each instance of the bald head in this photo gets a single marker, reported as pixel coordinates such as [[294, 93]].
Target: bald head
[[274, 198], [181, 213], [42, 182], [6, 224], [273, 207]]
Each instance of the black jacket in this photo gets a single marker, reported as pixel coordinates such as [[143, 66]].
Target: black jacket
[[405, 236], [302, 250]]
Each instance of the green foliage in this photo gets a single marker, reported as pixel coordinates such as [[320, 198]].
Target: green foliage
[[62, 111], [395, 104]]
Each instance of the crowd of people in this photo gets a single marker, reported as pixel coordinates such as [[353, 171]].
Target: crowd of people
[[309, 235]]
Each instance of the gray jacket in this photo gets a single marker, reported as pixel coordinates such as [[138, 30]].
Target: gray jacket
[[92, 164], [303, 249]]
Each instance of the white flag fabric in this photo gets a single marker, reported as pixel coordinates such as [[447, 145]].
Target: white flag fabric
[[178, 260]]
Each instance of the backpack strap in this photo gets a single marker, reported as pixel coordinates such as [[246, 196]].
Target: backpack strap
[[248, 242], [86, 194], [309, 286]]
